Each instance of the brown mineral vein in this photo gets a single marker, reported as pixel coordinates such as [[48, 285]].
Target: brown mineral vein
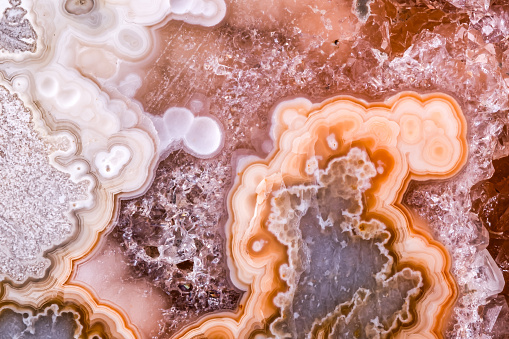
[[410, 136]]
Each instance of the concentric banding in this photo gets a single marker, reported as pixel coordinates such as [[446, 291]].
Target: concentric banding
[[411, 129], [438, 151]]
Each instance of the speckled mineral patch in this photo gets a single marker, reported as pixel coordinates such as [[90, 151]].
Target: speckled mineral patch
[[35, 197]]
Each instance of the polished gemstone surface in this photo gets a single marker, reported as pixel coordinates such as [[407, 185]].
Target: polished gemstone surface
[[254, 169]]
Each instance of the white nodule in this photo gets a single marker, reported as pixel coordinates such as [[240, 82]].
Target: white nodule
[[67, 98], [110, 163], [177, 121], [47, 86], [258, 245], [132, 42], [204, 136], [20, 83], [332, 142], [201, 12], [209, 9], [181, 6], [410, 129]]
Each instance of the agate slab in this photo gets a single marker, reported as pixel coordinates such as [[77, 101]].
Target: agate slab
[[254, 169]]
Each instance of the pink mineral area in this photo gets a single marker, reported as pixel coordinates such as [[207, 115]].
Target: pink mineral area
[[107, 274], [318, 19], [252, 40]]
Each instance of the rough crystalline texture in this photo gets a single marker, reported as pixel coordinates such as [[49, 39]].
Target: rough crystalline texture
[[30, 226], [17, 34], [199, 135], [490, 200], [45, 193], [329, 193], [170, 236]]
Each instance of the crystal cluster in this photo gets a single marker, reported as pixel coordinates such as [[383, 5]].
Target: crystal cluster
[[490, 200], [171, 236]]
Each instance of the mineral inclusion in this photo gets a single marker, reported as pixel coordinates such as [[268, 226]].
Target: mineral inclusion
[[254, 169]]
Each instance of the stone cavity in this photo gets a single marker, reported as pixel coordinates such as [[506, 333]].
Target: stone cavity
[[171, 236], [341, 278], [51, 323], [57, 320]]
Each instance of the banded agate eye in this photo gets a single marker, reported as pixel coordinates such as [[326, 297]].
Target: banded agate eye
[[327, 197]]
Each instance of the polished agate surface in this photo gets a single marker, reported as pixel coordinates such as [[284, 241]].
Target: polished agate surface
[[254, 169]]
